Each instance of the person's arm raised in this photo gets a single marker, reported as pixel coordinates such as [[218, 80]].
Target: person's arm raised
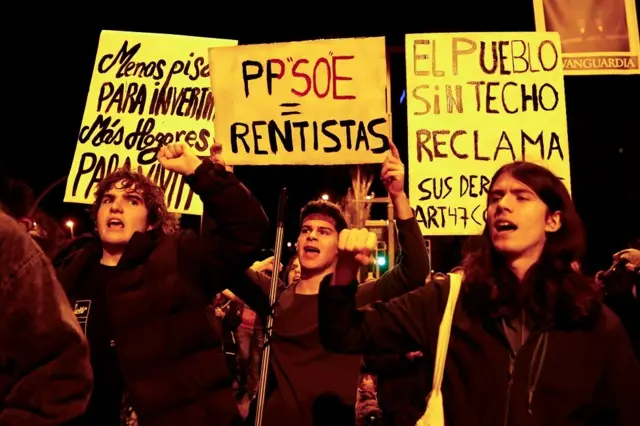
[[394, 327], [412, 270], [224, 253]]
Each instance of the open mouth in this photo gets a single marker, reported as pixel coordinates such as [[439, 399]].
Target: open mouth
[[310, 251], [115, 223], [503, 226]]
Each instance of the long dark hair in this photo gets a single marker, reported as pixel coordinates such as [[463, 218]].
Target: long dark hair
[[552, 291]]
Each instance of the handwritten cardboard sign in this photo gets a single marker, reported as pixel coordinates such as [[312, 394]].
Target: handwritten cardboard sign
[[312, 102], [147, 90], [476, 101]]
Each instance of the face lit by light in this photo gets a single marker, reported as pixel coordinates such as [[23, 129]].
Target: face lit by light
[[518, 219], [317, 245], [122, 212], [294, 272]]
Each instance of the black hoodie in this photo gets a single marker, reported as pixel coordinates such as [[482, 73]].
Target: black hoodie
[[561, 375]]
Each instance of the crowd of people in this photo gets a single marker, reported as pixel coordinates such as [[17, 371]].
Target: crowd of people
[[144, 323]]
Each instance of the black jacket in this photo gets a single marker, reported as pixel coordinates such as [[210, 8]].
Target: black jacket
[[45, 375], [561, 376], [168, 348]]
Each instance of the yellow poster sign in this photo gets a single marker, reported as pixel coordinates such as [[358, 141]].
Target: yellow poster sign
[[598, 37], [147, 90], [312, 102], [476, 101]]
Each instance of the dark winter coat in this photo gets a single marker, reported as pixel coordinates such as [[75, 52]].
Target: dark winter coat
[[168, 348]]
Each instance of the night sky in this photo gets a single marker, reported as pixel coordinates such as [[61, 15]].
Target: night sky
[[51, 63]]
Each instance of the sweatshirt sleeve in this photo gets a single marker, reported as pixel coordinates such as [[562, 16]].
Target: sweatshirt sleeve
[[404, 324], [410, 273], [223, 253]]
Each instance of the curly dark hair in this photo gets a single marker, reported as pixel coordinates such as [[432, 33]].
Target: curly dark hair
[[326, 208], [152, 194], [552, 290]]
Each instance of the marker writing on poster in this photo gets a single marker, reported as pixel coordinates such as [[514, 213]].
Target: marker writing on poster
[[502, 91], [94, 167], [146, 91], [320, 78]]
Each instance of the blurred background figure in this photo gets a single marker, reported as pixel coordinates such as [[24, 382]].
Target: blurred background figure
[[620, 284], [17, 200], [45, 374], [367, 408]]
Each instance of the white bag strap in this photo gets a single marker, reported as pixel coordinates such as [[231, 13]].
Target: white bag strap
[[434, 414], [455, 282]]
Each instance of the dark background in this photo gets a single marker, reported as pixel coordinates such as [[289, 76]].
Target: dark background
[[51, 54]]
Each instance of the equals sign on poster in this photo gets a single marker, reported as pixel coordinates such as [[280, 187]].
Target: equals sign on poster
[[288, 106]]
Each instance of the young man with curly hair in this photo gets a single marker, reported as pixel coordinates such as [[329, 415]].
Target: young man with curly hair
[[140, 291]]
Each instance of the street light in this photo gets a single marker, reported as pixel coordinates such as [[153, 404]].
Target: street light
[[325, 197], [70, 225], [34, 206]]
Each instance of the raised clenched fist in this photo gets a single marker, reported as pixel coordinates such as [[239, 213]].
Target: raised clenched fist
[[179, 157], [355, 247], [359, 243]]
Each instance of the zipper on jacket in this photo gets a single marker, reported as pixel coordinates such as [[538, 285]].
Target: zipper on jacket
[[512, 363], [540, 349]]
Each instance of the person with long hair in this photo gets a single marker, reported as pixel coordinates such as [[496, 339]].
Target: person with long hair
[[531, 342]]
